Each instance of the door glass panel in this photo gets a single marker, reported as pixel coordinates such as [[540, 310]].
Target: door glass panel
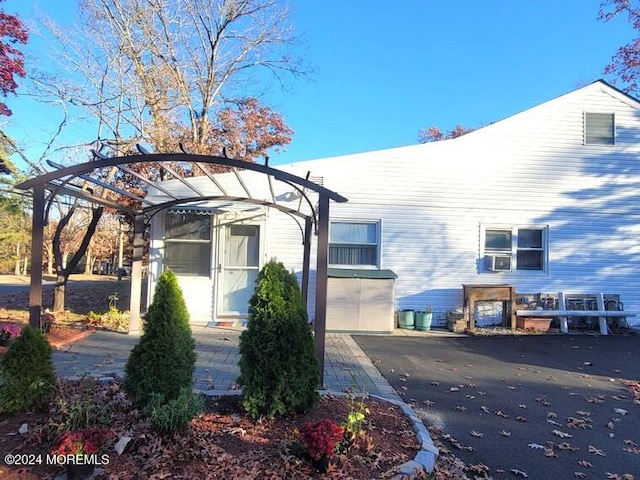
[[240, 268], [238, 289], [243, 246]]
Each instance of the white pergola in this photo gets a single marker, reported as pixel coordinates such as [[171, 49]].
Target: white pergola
[[311, 214]]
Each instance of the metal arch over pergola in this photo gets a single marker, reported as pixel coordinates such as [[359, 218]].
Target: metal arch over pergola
[[73, 181]]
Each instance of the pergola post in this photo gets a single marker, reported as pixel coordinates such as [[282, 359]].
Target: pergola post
[[320, 322], [135, 323], [306, 259], [37, 244]]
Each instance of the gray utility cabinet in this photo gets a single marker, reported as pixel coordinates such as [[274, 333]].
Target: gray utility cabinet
[[360, 300]]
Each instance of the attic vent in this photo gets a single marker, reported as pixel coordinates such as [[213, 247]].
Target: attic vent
[[599, 128]]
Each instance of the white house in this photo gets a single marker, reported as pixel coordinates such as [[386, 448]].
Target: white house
[[545, 200]]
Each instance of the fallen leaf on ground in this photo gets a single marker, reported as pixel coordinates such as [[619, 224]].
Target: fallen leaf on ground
[[573, 422], [561, 434], [585, 464], [596, 451], [567, 446], [479, 468]]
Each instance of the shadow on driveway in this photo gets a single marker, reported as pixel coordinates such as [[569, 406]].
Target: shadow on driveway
[[548, 406]]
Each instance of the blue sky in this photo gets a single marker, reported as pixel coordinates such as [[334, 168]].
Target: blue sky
[[384, 69]]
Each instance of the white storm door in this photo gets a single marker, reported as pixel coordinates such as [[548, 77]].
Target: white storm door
[[238, 269]]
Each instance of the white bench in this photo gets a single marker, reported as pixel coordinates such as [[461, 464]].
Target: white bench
[[562, 313]]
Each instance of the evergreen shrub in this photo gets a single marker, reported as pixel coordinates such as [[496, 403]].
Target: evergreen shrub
[[28, 373], [278, 367], [163, 360]]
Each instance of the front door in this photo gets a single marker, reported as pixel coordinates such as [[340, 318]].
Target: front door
[[238, 269]]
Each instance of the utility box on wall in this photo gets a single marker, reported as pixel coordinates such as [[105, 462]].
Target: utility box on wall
[[361, 301]]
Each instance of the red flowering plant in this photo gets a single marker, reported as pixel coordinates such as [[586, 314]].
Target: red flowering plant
[[85, 441], [9, 331], [321, 439]]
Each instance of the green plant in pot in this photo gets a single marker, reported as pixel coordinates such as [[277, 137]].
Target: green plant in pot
[[423, 319]]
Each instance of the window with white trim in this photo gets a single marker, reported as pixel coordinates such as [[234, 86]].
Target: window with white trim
[[187, 244], [515, 248], [354, 244], [599, 128]]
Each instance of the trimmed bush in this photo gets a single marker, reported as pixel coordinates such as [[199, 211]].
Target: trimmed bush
[[278, 367], [28, 372], [162, 362]]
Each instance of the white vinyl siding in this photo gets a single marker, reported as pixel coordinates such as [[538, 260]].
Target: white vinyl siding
[[531, 169]]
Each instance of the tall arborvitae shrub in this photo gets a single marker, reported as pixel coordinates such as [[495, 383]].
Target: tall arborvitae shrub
[[28, 372], [162, 362], [278, 367]]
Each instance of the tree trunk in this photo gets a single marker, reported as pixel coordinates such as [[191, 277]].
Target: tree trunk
[[63, 273], [58, 291], [25, 265], [88, 263], [50, 261], [16, 269]]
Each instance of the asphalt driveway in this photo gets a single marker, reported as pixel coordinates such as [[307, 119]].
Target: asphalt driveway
[[549, 407]]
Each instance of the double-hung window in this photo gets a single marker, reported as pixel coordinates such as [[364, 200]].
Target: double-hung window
[[187, 244], [515, 248], [354, 244]]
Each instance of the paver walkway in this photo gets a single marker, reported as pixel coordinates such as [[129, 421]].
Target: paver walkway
[[103, 353]]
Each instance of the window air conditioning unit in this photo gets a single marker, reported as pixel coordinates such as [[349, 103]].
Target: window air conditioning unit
[[498, 263]]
